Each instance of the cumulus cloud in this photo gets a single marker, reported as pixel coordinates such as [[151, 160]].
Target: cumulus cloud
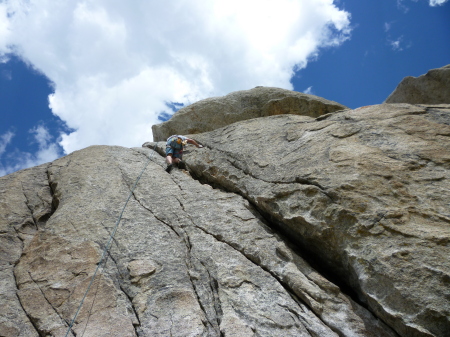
[[48, 150], [117, 65]]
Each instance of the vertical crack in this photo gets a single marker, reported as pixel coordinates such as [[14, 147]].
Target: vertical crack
[[27, 203], [289, 291], [190, 268], [133, 308], [121, 287], [109, 255], [36, 328], [101, 244], [45, 333], [184, 236], [213, 289], [197, 295], [156, 217], [214, 285], [53, 185]]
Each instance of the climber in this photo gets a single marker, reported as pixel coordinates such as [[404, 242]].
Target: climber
[[174, 150]]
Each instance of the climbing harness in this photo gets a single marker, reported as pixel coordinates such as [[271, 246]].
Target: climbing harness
[[105, 251]]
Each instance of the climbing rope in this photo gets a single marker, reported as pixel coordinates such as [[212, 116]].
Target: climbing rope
[[105, 251]]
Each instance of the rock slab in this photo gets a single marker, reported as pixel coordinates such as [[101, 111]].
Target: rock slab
[[366, 191], [186, 260]]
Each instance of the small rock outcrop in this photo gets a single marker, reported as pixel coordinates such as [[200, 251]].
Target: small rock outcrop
[[212, 113], [431, 88]]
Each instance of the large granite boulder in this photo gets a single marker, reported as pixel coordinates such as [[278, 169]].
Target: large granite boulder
[[286, 225], [212, 113], [431, 88], [186, 260]]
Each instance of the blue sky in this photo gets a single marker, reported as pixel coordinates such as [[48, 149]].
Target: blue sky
[[102, 72], [390, 40]]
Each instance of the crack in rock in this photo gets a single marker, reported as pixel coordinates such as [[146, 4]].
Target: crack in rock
[[62, 320], [27, 315], [289, 291]]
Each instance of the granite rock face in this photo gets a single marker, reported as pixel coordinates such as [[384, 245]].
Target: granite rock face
[[25, 205], [286, 225], [367, 192], [186, 260], [431, 88], [212, 113]]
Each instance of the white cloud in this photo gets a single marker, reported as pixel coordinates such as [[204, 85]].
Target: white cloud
[[397, 44], [116, 64], [47, 151], [434, 3], [18, 160], [4, 30], [387, 26], [308, 91], [5, 139]]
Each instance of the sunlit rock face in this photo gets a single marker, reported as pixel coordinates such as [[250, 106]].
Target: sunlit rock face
[[365, 191], [216, 112], [332, 224], [431, 88], [187, 259]]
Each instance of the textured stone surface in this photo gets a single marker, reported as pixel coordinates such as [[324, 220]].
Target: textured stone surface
[[216, 112], [25, 203], [431, 88], [293, 226], [187, 259], [367, 191]]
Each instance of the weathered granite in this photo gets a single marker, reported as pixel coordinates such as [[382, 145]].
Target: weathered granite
[[285, 225], [431, 88], [366, 191], [25, 204], [212, 113], [187, 259]]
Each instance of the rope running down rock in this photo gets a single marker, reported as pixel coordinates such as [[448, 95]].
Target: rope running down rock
[[109, 242]]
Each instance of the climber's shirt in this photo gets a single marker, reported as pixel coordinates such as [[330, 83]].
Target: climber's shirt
[[173, 147]]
